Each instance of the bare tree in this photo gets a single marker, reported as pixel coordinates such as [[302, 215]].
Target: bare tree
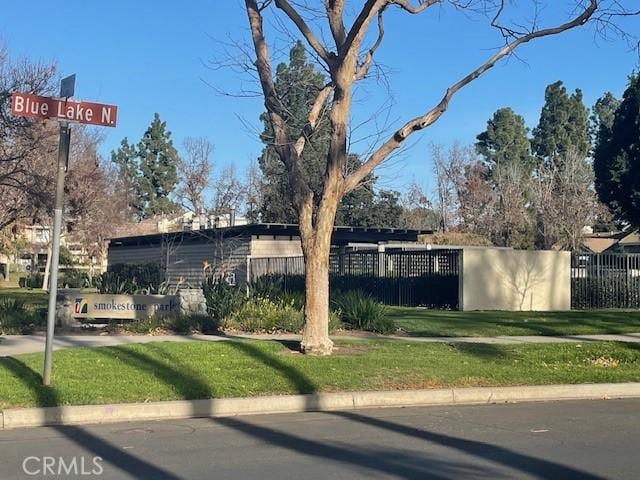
[[418, 211], [566, 201], [477, 201], [347, 61], [195, 169], [253, 189], [26, 146], [228, 192], [514, 225], [95, 210], [448, 168]]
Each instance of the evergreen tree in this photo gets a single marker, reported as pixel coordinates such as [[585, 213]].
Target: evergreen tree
[[509, 165], [158, 169], [126, 161], [617, 157], [297, 84], [563, 125], [603, 114], [505, 142], [387, 210]]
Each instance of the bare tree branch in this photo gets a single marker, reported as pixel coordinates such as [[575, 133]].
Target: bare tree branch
[[363, 69], [420, 7], [299, 22], [314, 114], [335, 13], [436, 112], [302, 193]]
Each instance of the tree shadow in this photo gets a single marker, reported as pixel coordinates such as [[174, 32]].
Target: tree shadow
[[526, 464], [190, 385], [486, 351], [373, 460], [114, 456], [441, 324], [175, 374], [302, 383]]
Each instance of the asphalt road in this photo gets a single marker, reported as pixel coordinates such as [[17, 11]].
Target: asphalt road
[[559, 440]]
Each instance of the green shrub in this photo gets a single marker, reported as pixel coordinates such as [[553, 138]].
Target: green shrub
[[192, 323], [73, 279], [142, 275], [17, 318], [268, 286], [222, 299], [33, 280], [360, 311], [112, 283], [124, 278], [265, 315], [335, 320], [146, 325], [185, 324], [65, 256]]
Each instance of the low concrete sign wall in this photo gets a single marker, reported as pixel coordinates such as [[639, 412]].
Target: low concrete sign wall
[[123, 307]]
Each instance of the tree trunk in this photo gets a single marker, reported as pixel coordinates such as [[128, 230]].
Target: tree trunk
[[47, 268], [315, 337], [316, 246]]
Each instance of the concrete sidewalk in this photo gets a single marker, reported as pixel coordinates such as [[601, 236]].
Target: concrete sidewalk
[[18, 344]]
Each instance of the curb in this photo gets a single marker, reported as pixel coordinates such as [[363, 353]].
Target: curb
[[222, 407]]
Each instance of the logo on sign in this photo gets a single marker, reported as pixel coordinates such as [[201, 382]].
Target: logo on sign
[[81, 306]]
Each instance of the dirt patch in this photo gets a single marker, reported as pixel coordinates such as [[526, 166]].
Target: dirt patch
[[339, 350], [605, 362]]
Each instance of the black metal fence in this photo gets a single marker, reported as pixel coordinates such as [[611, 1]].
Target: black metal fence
[[605, 280], [410, 278]]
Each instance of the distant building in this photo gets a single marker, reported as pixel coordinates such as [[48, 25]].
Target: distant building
[[613, 242], [227, 251], [33, 242]]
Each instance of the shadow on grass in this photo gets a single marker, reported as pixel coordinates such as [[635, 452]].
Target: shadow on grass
[[404, 464], [424, 322], [302, 383], [486, 351], [111, 454]]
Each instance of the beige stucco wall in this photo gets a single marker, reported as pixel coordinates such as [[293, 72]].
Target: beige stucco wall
[[281, 247], [515, 280]]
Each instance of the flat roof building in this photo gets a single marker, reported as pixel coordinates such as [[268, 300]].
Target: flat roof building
[[188, 256]]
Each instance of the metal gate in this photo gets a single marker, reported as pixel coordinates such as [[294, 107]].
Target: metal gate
[[605, 280], [413, 278]]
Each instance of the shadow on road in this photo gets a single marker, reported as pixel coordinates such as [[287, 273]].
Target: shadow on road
[[398, 462], [111, 454]]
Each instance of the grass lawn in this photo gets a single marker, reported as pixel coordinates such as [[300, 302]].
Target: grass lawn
[[421, 322], [169, 371]]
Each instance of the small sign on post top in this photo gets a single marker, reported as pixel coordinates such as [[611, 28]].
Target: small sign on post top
[[68, 86]]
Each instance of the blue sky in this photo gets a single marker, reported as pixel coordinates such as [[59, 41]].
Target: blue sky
[[150, 56]]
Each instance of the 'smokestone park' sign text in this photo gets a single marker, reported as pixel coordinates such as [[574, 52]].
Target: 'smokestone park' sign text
[[124, 307]]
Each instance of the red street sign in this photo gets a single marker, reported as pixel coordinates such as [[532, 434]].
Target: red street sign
[[35, 106]]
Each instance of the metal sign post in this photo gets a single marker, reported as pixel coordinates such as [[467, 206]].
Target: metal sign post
[[67, 89], [64, 111], [63, 161]]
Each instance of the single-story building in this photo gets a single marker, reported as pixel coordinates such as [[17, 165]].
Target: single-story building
[[190, 255]]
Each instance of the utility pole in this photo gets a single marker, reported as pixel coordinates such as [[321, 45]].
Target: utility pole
[[67, 87]]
